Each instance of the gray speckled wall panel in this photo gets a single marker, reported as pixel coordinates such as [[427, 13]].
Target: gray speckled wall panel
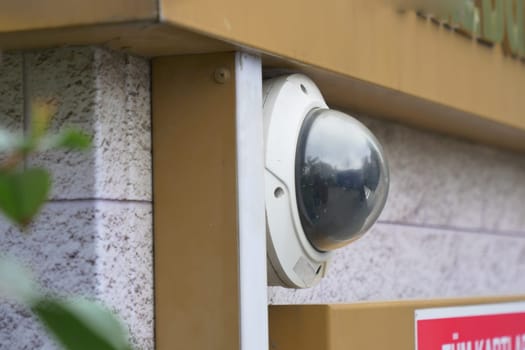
[[441, 181], [96, 249], [94, 237], [20, 330], [453, 226], [404, 262], [11, 91], [106, 94]]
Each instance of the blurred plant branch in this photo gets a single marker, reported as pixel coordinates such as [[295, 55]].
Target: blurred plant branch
[[77, 324]]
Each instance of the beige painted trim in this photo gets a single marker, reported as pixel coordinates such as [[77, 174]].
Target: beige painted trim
[[145, 38], [359, 326], [195, 204], [21, 15], [369, 41], [365, 56], [367, 99]]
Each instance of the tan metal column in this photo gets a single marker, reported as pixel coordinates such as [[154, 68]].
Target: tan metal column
[[195, 207]]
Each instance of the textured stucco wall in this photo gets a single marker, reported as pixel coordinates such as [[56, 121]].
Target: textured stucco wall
[[94, 237], [453, 226]]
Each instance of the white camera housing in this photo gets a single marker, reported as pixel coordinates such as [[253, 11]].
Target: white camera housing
[[298, 258]]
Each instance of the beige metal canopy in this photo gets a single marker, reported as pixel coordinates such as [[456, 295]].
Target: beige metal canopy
[[365, 55]]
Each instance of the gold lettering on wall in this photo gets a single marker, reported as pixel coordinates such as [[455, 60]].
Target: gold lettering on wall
[[466, 18], [515, 39], [490, 21]]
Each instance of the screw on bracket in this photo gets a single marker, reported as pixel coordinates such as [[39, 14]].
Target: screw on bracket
[[221, 75]]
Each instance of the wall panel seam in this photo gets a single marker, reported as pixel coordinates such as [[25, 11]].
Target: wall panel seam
[[99, 200], [458, 229]]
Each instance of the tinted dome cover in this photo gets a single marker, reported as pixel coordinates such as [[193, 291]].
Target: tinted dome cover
[[341, 178]]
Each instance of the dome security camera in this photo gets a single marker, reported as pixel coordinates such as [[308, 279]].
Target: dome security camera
[[326, 180]]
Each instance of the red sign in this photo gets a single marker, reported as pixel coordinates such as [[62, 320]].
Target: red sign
[[480, 327]]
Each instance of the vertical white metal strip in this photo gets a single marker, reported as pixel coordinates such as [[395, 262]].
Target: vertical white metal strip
[[250, 199]]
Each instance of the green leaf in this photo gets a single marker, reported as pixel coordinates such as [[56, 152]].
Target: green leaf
[[22, 193], [16, 282], [42, 112], [82, 325], [77, 324], [68, 139], [10, 141]]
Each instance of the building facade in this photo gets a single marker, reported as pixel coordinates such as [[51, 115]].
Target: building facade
[[163, 219]]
